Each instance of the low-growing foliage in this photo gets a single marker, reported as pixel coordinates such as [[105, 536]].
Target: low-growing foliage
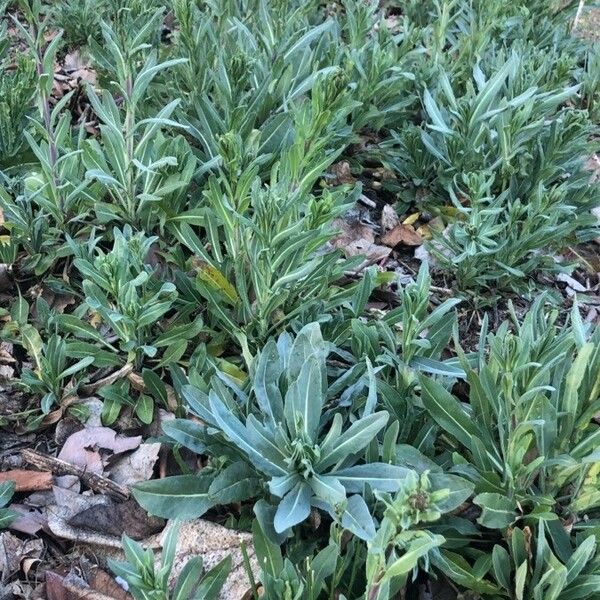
[[175, 241], [146, 581], [527, 436]]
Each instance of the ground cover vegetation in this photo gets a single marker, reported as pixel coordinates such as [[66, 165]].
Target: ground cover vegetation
[[335, 262]]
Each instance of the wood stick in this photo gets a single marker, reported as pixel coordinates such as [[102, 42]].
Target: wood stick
[[98, 483], [578, 15], [28, 481]]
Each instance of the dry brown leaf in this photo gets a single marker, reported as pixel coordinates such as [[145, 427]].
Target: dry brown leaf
[[98, 519], [13, 551], [29, 520], [138, 466], [72, 587], [341, 173], [404, 235], [372, 252], [91, 447], [351, 229], [198, 537], [99, 579]]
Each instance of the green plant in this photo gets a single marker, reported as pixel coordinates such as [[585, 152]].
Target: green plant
[[146, 581], [308, 455], [590, 84], [247, 66], [398, 547], [143, 172], [542, 565], [17, 89], [272, 238], [53, 378], [494, 241], [50, 202], [527, 436], [501, 141], [79, 20], [409, 338], [121, 287], [273, 269], [7, 516], [281, 579]]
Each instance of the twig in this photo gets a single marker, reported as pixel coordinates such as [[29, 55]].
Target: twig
[[367, 201], [90, 388], [28, 481], [96, 482], [578, 15]]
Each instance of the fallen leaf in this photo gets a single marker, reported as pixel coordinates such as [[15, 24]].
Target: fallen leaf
[[412, 219], [91, 447], [99, 579], [372, 252], [341, 173], [571, 282], [404, 235], [389, 218], [29, 519], [357, 239], [138, 466], [98, 519], [13, 551], [72, 587], [351, 230]]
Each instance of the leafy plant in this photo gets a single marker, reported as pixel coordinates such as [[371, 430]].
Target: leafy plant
[[500, 141], [527, 435], [53, 378], [266, 239], [494, 241], [17, 88], [79, 20], [527, 566], [308, 456], [397, 548], [143, 173], [409, 338], [146, 581], [590, 82], [52, 201], [281, 578], [7, 516], [121, 288]]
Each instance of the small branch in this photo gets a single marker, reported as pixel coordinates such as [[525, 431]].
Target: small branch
[[28, 481], [98, 483], [578, 15], [90, 388]]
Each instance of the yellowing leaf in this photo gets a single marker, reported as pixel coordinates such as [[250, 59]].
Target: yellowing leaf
[[425, 232], [215, 279], [95, 319], [412, 219], [233, 371]]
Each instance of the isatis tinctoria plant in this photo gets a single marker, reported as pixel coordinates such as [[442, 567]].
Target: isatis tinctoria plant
[[305, 454], [527, 436], [148, 581]]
